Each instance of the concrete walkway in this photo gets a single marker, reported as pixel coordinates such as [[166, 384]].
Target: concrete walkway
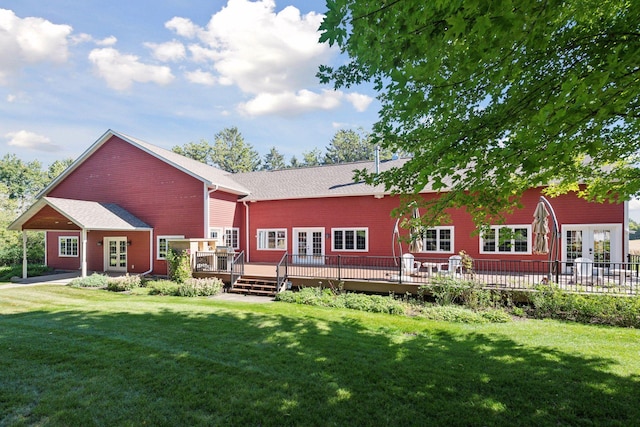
[[52, 279], [63, 279]]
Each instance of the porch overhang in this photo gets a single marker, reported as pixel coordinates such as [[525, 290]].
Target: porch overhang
[[55, 214], [52, 213]]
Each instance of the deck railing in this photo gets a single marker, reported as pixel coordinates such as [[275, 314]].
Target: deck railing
[[619, 278], [596, 277], [217, 261]]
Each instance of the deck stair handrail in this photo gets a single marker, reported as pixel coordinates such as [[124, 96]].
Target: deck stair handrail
[[282, 272], [237, 267]]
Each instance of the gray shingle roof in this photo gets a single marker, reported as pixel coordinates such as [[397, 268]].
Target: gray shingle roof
[[311, 182], [85, 214], [96, 216]]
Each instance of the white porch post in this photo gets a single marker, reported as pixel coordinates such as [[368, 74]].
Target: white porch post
[[24, 254], [83, 259]]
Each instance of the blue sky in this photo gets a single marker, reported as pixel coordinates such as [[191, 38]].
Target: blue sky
[[168, 72]]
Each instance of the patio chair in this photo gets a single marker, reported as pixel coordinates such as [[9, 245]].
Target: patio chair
[[408, 264], [583, 270], [455, 264]]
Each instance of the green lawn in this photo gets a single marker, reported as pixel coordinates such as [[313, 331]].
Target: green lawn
[[90, 357]]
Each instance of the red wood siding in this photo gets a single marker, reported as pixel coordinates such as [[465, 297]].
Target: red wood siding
[[137, 252], [224, 210], [57, 262], [166, 198], [375, 215]]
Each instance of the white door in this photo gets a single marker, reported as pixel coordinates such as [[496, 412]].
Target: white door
[[308, 245], [115, 254], [600, 243]]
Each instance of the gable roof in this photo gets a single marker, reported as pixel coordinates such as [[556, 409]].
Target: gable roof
[[211, 176], [85, 214], [312, 182]]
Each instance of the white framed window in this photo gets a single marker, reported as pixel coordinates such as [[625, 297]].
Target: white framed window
[[350, 239], [67, 246], [215, 233], [232, 237], [438, 239], [162, 245], [507, 239], [274, 239]]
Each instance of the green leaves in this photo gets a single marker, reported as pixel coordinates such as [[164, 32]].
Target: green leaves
[[503, 96]]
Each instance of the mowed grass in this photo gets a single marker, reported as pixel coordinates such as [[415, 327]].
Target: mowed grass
[[79, 357]]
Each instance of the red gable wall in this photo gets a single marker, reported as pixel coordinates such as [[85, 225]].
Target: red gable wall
[[164, 197]]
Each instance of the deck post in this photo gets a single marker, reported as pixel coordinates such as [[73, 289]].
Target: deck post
[[339, 267]]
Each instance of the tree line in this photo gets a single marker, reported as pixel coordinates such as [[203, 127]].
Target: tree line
[[230, 152], [20, 183]]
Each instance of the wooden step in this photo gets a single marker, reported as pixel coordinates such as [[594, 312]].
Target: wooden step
[[255, 286]]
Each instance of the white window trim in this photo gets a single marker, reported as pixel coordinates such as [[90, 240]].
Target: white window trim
[[158, 257], [61, 238], [224, 237], [355, 230], [438, 228], [262, 237], [512, 251]]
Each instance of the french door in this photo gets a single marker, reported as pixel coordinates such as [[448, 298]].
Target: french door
[[308, 245], [115, 254], [599, 243]]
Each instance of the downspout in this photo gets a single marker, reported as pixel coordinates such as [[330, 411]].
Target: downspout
[[246, 226]]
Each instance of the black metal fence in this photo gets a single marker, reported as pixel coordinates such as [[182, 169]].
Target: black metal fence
[[590, 277], [618, 278]]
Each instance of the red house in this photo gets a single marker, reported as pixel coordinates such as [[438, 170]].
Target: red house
[[117, 205]]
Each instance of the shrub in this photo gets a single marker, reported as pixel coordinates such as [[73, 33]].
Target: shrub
[[355, 301], [448, 290], [551, 301], [179, 265], [162, 287], [200, 287], [96, 280], [123, 283]]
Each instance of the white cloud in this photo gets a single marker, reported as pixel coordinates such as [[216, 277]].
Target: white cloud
[[291, 103], [88, 38], [29, 40], [31, 141], [168, 52], [273, 57], [120, 71], [359, 101], [107, 41], [201, 77], [202, 54], [182, 27]]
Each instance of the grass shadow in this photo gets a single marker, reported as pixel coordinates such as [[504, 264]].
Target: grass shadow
[[242, 367]]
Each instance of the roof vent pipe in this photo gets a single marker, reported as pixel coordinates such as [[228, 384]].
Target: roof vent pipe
[[377, 159]]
